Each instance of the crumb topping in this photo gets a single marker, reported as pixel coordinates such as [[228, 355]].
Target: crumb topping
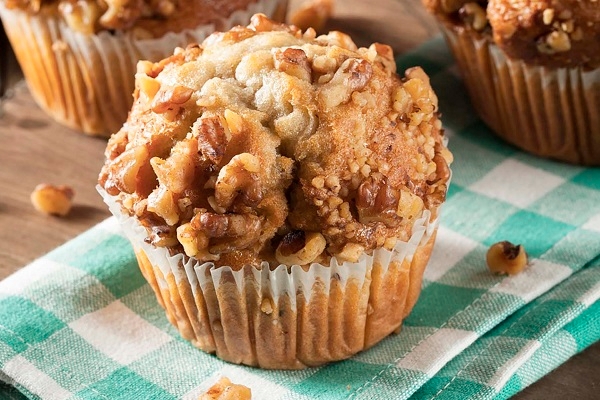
[[224, 389], [144, 18], [269, 143], [557, 33]]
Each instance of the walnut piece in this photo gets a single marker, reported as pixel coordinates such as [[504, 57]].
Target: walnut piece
[[213, 136], [377, 201], [300, 248], [81, 15], [353, 75], [53, 200], [171, 99], [293, 62], [239, 179], [473, 14], [224, 389], [231, 231], [312, 14], [506, 258]]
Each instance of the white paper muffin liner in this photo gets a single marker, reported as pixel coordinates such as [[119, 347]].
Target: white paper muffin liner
[[86, 81], [549, 112], [285, 318]]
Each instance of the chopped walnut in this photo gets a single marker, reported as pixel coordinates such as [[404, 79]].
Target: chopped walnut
[[53, 200], [377, 201], [351, 252], [546, 33], [213, 136], [171, 99], [120, 14], [555, 42], [474, 15], [312, 14], [239, 179], [410, 206], [300, 248], [351, 76], [293, 62], [224, 389], [147, 85], [81, 15], [506, 258], [229, 232], [548, 16], [192, 240]]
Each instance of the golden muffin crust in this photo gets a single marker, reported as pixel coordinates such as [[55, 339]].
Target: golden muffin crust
[[269, 143], [553, 33], [149, 18]]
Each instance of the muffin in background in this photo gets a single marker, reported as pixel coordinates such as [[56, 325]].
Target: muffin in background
[[79, 57], [281, 192], [10, 73], [532, 70]]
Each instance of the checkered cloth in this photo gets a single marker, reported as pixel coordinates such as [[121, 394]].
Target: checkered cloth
[[81, 322]]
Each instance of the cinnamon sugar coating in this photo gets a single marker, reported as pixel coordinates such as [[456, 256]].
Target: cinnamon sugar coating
[[269, 143], [553, 33]]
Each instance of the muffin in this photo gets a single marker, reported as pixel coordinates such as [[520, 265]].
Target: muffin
[[281, 191], [532, 71], [79, 57]]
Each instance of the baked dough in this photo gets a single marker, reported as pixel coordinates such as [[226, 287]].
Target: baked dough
[[269, 143]]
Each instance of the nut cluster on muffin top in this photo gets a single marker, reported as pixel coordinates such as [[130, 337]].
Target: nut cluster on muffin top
[[554, 33], [269, 143], [146, 18]]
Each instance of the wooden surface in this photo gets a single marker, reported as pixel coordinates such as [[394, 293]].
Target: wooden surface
[[36, 150]]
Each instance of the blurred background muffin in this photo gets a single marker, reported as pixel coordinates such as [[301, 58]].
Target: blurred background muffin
[[532, 70], [10, 73], [281, 191], [79, 56]]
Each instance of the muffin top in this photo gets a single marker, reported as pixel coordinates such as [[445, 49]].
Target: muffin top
[[147, 18], [269, 143], [553, 33]]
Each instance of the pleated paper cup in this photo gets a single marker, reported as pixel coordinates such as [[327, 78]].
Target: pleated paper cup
[[86, 82], [287, 317], [549, 112]]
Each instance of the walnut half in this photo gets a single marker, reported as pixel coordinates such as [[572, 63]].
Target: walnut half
[[224, 389], [300, 248], [53, 200]]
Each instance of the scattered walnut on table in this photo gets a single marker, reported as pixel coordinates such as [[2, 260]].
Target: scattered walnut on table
[[224, 389], [506, 258], [53, 200]]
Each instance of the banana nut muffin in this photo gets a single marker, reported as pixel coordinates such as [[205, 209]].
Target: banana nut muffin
[[146, 18], [269, 151], [79, 56], [532, 70]]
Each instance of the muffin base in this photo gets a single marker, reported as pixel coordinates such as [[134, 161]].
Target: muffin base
[[549, 112], [287, 317]]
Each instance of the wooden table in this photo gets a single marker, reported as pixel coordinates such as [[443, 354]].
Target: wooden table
[[36, 149]]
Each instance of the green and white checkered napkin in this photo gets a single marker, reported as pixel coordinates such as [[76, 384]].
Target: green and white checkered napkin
[[81, 322]]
